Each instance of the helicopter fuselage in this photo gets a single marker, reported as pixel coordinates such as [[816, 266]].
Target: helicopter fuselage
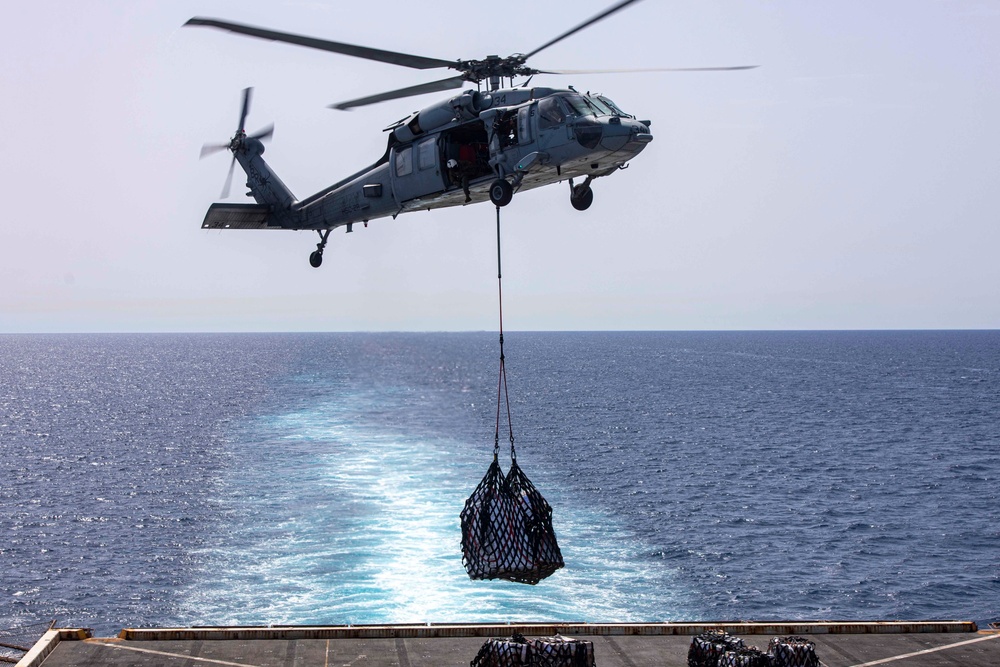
[[451, 154]]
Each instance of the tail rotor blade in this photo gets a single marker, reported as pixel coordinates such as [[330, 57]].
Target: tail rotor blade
[[263, 134], [212, 149], [229, 180], [247, 96]]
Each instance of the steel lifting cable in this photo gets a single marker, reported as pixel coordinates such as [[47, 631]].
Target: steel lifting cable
[[502, 381]]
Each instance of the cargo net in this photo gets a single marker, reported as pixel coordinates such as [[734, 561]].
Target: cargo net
[[744, 657], [561, 651], [720, 649], [707, 648], [507, 529], [511, 652], [517, 651], [792, 652]]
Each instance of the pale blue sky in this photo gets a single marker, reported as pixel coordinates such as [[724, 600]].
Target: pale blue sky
[[850, 182]]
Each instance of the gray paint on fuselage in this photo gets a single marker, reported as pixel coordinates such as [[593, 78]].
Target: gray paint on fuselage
[[559, 148]]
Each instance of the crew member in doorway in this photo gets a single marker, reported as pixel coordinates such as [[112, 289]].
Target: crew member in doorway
[[463, 168]]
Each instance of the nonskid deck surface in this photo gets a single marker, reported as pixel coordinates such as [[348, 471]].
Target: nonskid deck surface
[[848, 644]]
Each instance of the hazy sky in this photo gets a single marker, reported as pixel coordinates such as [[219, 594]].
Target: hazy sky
[[849, 182]]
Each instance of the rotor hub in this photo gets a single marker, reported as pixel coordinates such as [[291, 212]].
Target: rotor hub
[[494, 67]]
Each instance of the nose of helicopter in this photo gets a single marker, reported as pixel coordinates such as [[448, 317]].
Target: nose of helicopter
[[618, 132], [641, 131]]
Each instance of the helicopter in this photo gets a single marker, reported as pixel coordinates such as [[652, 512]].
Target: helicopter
[[476, 146]]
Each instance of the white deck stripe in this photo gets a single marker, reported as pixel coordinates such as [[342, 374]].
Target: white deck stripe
[[926, 651], [176, 655]]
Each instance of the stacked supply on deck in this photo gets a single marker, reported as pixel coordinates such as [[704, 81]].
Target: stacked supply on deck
[[517, 651], [720, 649]]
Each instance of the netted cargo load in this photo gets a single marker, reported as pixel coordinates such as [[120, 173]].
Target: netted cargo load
[[561, 651], [749, 656], [513, 652], [507, 529], [792, 652], [708, 647]]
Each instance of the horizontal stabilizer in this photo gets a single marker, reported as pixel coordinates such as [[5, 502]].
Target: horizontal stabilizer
[[238, 216]]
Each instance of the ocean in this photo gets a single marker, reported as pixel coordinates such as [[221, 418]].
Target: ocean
[[205, 479]]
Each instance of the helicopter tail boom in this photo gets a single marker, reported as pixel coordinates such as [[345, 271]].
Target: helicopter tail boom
[[264, 185]]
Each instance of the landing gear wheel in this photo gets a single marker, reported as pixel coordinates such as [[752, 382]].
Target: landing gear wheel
[[582, 198], [316, 258], [501, 192]]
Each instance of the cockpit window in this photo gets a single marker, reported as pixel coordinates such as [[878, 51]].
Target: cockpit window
[[551, 112], [602, 108], [579, 105], [614, 107], [593, 105]]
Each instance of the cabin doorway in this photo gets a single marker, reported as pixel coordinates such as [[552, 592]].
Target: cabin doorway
[[467, 148]]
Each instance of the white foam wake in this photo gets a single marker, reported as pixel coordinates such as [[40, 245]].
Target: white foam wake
[[332, 521]]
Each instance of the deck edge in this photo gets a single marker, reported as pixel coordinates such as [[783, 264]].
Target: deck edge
[[48, 642], [290, 632]]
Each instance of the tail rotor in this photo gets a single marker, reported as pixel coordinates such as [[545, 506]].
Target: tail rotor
[[239, 141]]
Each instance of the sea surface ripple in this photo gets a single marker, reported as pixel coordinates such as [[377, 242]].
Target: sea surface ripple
[[317, 478]]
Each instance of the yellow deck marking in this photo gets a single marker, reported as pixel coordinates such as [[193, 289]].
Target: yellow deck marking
[[177, 655], [926, 651]]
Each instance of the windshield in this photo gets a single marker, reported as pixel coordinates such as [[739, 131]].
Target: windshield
[[596, 105], [603, 109], [614, 107], [580, 105]]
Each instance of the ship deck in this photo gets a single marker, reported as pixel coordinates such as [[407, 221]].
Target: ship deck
[[838, 644]]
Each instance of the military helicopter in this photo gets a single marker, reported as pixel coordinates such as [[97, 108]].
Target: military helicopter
[[477, 145]]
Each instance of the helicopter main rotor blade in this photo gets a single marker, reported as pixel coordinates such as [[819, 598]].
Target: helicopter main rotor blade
[[603, 15], [391, 57], [647, 69], [431, 87]]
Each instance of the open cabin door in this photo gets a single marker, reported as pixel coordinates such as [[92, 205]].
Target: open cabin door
[[467, 146]]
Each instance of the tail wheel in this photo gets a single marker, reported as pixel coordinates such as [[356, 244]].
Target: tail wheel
[[501, 192], [582, 198]]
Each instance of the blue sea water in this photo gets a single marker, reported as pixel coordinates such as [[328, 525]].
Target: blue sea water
[[318, 478]]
